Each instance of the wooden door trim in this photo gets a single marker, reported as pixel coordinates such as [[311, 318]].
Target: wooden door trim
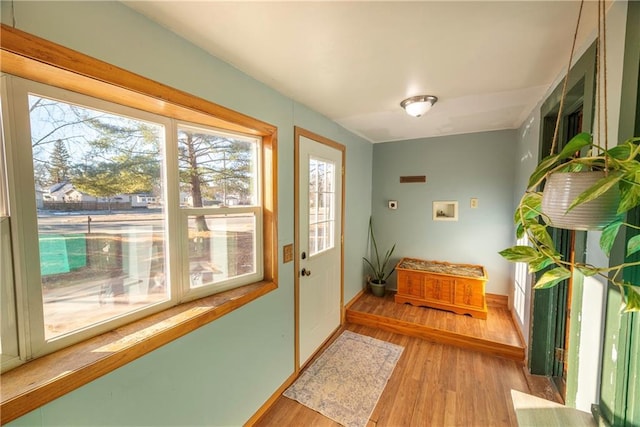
[[301, 132]]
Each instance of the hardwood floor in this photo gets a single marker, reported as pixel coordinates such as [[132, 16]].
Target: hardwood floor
[[433, 384], [497, 335], [454, 371]]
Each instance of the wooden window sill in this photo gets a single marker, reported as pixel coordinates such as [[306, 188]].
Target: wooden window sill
[[40, 381]]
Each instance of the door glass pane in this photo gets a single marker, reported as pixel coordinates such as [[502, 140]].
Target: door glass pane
[[321, 205], [221, 247], [101, 228], [313, 176]]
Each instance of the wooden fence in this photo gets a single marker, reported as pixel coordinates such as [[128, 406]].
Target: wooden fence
[[85, 206]]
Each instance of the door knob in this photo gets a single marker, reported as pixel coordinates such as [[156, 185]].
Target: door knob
[[305, 272]]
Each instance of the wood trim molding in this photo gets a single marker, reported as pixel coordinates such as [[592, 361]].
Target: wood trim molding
[[496, 300], [516, 323], [43, 380], [37, 59], [298, 132], [437, 335], [354, 299], [270, 401]]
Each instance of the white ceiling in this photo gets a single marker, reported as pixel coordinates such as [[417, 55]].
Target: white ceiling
[[489, 63]]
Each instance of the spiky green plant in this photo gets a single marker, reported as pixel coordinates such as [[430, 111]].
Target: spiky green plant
[[378, 265]]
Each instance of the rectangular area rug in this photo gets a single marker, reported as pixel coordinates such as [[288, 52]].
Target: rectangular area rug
[[346, 381]]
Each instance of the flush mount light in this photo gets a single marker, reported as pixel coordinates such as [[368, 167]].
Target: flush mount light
[[418, 105]]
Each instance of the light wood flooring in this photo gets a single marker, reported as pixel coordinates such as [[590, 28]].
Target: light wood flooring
[[496, 335], [434, 383]]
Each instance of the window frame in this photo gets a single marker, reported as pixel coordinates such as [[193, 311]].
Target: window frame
[[10, 353], [21, 193], [42, 380], [184, 213]]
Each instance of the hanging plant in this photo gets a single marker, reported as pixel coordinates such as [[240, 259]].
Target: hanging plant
[[599, 204], [622, 176]]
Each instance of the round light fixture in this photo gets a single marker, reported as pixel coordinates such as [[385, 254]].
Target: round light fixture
[[418, 105]]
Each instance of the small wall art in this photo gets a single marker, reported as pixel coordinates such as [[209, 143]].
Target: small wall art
[[445, 210]]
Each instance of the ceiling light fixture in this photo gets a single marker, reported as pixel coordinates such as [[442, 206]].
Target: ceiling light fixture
[[418, 105]]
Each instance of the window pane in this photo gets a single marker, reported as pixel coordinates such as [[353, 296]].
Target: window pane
[[101, 228], [313, 176], [330, 178], [313, 239], [321, 168], [216, 169], [221, 247], [313, 207], [321, 205]]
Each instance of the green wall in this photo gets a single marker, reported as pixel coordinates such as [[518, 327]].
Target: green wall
[[223, 372], [457, 168]]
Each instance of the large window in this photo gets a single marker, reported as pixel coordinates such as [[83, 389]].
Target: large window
[[122, 213]]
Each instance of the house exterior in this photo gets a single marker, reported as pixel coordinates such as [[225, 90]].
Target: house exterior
[[226, 370], [65, 192], [143, 200]]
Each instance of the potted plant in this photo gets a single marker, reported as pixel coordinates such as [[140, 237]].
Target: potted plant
[[589, 192], [616, 188], [378, 265]]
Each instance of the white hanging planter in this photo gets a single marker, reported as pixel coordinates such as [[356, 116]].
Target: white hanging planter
[[562, 188]]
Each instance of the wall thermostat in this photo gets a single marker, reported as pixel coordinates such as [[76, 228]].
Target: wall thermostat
[[393, 204]]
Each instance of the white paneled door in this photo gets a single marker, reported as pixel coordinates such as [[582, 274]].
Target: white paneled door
[[319, 247]]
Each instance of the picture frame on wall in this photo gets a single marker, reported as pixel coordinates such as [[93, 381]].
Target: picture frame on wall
[[445, 210]]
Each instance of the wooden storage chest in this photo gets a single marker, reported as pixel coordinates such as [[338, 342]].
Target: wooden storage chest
[[454, 287]]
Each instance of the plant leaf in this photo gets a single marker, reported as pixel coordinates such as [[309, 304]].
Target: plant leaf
[[622, 151], [609, 235], [552, 278], [540, 263], [530, 206], [632, 298], [588, 270], [520, 254], [633, 245], [576, 143], [541, 170], [541, 235], [630, 189], [597, 189]]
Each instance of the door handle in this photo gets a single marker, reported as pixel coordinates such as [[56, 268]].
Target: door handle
[[305, 272]]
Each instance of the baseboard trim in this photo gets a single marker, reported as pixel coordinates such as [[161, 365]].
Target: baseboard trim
[[354, 299], [516, 323], [496, 300], [443, 337], [270, 401]]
